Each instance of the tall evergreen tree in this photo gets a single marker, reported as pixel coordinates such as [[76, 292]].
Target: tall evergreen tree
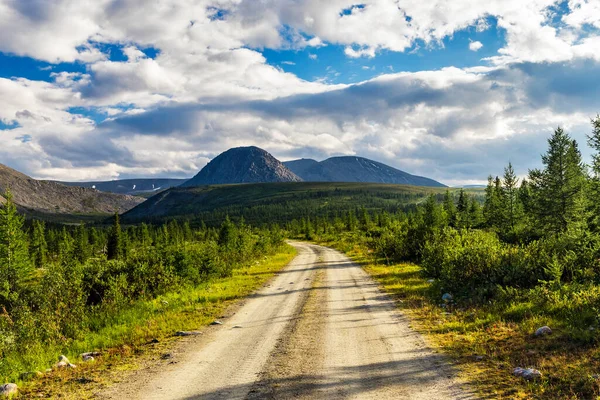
[[449, 208], [38, 248], [15, 266], [558, 189], [512, 207], [594, 143], [114, 246]]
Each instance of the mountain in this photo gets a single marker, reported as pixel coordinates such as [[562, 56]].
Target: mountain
[[48, 197], [130, 186], [243, 165], [355, 169]]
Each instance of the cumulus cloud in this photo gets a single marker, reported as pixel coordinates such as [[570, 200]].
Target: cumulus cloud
[[475, 46], [209, 87]]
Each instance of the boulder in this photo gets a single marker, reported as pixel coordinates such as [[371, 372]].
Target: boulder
[[543, 331], [8, 389], [447, 297], [529, 374]]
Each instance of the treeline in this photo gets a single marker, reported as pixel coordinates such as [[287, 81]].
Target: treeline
[[535, 239], [57, 285]]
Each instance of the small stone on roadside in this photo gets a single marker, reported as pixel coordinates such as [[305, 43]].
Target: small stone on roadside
[[166, 356], [88, 359], [8, 389], [447, 297], [63, 358], [154, 341], [237, 327], [529, 374], [542, 331], [90, 353], [187, 333], [216, 323]]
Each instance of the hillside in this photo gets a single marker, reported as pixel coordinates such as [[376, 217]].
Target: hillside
[[355, 169], [275, 202], [54, 198], [243, 165], [134, 187]]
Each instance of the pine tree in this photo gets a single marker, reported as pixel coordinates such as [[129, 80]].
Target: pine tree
[[38, 247], [512, 207], [594, 143], [15, 266], [82, 245], [114, 246], [558, 189], [462, 210], [449, 208]]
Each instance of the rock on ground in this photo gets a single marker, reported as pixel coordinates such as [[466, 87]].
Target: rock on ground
[[8, 389], [527, 373], [542, 331]]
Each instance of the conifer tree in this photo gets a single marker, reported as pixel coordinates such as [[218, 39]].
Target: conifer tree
[[558, 189], [114, 246], [38, 248], [594, 143], [512, 207], [15, 266], [449, 208]]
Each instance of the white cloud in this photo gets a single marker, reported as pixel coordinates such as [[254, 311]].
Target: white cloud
[[210, 87], [475, 46]]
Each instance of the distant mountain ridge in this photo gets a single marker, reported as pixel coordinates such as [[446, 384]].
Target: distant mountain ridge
[[54, 198], [130, 186], [355, 169], [243, 165]]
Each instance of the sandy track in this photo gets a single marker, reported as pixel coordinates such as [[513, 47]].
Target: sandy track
[[320, 329]]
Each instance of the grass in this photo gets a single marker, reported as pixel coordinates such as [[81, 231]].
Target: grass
[[488, 342], [125, 344]]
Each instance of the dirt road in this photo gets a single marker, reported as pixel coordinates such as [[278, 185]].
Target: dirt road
[[321, 329]]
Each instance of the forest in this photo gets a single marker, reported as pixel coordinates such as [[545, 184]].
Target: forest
[[74, 287]]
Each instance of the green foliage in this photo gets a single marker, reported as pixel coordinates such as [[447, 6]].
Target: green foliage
[[558, 189], [15, 266]]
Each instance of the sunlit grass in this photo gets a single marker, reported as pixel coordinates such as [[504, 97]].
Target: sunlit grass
[[127, 334]]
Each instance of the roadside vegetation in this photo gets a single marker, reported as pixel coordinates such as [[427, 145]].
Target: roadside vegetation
[[482, 278], [82, 289]]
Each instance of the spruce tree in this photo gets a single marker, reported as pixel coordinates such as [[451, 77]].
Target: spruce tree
[[594, 143], [15, 266], [558, 189], [512, 207], [38, 248], [114, 246], [449, 208]]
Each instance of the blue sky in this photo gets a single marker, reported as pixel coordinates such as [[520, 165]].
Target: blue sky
[[452, 90]]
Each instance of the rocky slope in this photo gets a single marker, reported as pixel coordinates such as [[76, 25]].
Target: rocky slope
[[355, 169], [130, 186], [243, 165], [55, 198]]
